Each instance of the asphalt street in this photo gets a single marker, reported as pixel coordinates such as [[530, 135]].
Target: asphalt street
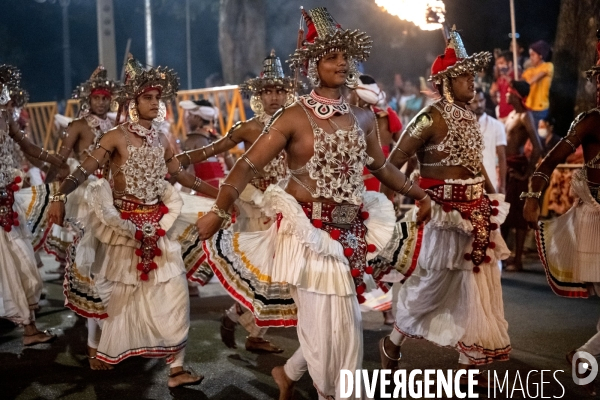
[[543, 328]]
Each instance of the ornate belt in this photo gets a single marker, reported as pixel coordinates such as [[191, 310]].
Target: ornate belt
[[345, 224], [478, 211], [457, 192], [146, 219], [331, 213], [262, 183], [8, 217]]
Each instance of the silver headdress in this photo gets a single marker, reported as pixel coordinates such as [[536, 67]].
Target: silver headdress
[[324, 35], [138, 80], [455, 61], [271, 75], [98, 82]]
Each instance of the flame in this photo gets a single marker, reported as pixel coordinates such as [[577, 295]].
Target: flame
[[428, 15]]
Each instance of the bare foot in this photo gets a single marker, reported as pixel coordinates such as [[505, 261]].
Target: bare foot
[[388, 317], [285, 384], [180, 377], [389, 353], [260, 345], [37, 338], [96, 364]]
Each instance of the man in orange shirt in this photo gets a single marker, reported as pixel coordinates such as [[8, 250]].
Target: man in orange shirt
[[539, 76]]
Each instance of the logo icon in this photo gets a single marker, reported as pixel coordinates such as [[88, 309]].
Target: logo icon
[[584, 363]]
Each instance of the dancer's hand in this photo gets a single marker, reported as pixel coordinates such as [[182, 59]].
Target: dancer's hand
[[531, 212], [424, 211], [208, 225], [56, 213]]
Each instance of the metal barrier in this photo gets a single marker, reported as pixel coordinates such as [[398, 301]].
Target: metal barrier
[[227, 98], [41, 123]]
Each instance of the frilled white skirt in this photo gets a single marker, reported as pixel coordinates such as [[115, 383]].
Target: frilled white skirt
[[257, 268], [147, 318], [569, 246], [20, 280], [445, 301]]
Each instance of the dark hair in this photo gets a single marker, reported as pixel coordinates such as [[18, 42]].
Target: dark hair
[[507, 55], [549, 120], [479, 90], [521, 87], [203, 103], [367, 79]]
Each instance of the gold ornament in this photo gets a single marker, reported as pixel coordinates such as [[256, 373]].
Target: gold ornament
[[134, 116]]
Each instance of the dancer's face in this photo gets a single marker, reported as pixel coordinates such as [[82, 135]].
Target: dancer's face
[[99, 104], [273, 98], [463, 87], [147, 104], [333, 69]]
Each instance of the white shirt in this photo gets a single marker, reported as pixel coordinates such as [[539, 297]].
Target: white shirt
[[494, 134]]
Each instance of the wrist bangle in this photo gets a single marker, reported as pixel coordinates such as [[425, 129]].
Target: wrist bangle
[[234, 188], [221, 213], [529, 195], [196, 185], [59, 197], [543, 176], [187, 154], [424, 197]]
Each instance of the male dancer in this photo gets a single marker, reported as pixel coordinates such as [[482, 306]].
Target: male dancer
[[454, 297], [519, 128], [327, 225], [569, 246], [139, 289], [268, 93], [20, 281], [81, 137]]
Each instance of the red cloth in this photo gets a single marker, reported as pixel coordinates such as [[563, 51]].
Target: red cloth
[[394, 123], [503, 107], [443, 61], [210, 172], [426, 183]]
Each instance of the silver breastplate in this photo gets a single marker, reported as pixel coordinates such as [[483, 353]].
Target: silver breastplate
[[99, 127], [337, 163], [144, 171], [7, 169], [463, 143]]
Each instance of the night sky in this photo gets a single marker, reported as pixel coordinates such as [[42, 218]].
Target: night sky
[[32, 35]]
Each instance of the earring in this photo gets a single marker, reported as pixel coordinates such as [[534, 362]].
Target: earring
[[162, 112], [256, 105], [134, 116], [291, 98], [313, 74], [4, 96], [447, 92], [353, 74]]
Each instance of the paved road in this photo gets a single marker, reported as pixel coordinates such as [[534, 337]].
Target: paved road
[[543, 327]]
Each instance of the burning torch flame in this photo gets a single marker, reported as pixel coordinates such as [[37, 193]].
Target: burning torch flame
[[428, 15]]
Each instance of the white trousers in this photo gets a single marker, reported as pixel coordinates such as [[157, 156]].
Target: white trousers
[[330, 336], [246, 319]]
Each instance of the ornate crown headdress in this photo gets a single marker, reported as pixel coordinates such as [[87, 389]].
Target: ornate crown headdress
[[98, 83], [139, 80], [455, 61], [9, 76], [19, 96], [271, 75], [324, 35]]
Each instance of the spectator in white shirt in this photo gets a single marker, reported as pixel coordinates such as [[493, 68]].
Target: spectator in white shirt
[[494, 141]]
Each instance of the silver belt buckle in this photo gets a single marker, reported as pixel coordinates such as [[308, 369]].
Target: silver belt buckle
[[316, 210], [344, 214], [447, 192]]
